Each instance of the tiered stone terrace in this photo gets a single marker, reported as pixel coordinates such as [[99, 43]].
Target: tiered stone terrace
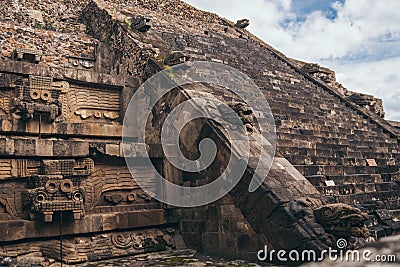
[[329, 150], [319, 132]]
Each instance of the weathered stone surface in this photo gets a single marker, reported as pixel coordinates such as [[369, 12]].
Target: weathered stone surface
[[242, 23], [96, 54], [369, 102], [342, 220]]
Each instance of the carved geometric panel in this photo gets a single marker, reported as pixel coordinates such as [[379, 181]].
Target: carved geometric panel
[[113, 186], [4, 103], [86, 103], [5, 168]]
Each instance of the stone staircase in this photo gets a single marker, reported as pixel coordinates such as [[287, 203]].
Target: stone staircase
[[352, 161], [328, 150], [348, 154]]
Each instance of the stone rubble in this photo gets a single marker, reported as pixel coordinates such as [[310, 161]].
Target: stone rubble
[[52, 28], [329, 150]]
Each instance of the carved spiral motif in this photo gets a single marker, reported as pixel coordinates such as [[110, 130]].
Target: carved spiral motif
[[233, 120], [121, 241]]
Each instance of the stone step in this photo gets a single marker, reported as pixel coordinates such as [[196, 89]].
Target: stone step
[[356, 188], [395, 214], [375, 144], [379, 231], [393, 176], [319, 180], [371, 196], [331, 159], [309, 170]]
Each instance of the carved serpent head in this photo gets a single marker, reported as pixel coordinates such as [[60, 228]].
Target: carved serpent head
[[342, 220]]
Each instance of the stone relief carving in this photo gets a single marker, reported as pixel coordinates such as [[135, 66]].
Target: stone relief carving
[[4, 103], [38, 97], [116, 187], [26, 98], [80, 249], [244, 112], [58, 188], [68, 185], [11, 199], [142, 24], [29, 55], [242, 23], [158, 241], [175, 58], [342, 220], [83, 103]]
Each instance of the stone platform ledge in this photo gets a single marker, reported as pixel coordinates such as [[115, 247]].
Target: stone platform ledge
[[50, 147], [84, 76], [74, 129], [14, 146], [94, 223], [145, 243]]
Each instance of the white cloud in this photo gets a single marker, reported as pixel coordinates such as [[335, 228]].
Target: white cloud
[[362, 44]]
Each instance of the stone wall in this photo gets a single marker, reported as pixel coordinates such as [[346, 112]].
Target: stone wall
[[52, 29], [327, 137], [61, 123]]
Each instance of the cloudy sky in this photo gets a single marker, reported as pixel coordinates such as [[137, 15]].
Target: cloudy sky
[[359, 39]]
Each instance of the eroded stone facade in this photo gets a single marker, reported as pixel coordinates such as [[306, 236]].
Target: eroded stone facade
[[67, 73]]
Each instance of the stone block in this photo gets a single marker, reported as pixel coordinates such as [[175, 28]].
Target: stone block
[[25, 147], [113, 150], [249, 243], [212, 225], [211, 243], [16, 230], [61, 148], [3, 145], [229, 245], [122, 221], [97, 223], [109, 222], [44, 148], [79, 149], [193, 240], [6, 126], [145, 218], [228, 210]]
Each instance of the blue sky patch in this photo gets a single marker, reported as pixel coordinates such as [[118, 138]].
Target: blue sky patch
[[302, 8]]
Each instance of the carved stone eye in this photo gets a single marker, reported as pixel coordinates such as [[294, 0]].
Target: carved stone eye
[[327, 212], [45, 95], [78, 196], [40, 197], [66, 185], [131, 197], [34, 94], [52, 186]]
